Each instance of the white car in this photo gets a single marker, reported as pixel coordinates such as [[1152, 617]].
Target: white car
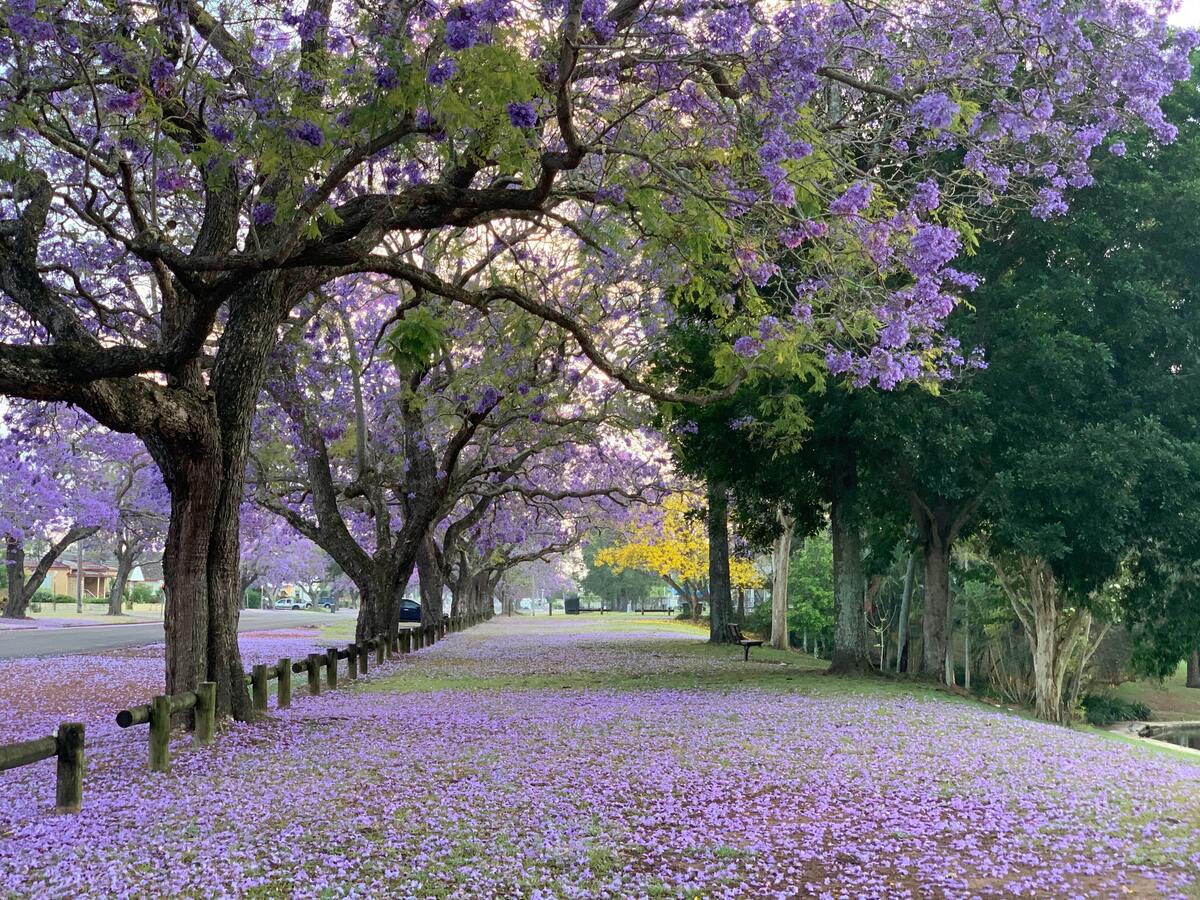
[[284, 603]]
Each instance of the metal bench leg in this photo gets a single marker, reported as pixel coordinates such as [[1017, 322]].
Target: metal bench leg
[[746, 658]]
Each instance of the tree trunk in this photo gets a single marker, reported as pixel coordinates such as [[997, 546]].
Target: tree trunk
[[193, 478], [910, 572], [849, 580], [937, 607], [126, 554], [1058, 637], [1193, 669], [949, 677], [780, 638], [17, 603], [720, 598], [967, 652], [429, 574]]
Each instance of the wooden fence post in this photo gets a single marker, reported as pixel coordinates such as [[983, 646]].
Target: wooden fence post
[[415, 636], [258, 687], [160, 733], [314, 673], [364, 658], [68, 790], [405, 641], [206, 713], [352, 661], [394, 639], [284, 697], [379, 649], [386, 639], [331, 667]]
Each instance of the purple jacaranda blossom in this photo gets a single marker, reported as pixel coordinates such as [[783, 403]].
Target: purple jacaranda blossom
[[522, 115], [441, 71], [854, 200], [125, 102], [386, 78], [746, 346], [308, 132], [935, 110]]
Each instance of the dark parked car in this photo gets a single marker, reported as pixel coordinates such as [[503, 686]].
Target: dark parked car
[[410, 610], [327, 603]]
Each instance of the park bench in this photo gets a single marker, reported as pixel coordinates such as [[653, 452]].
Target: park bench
[[736, 637]]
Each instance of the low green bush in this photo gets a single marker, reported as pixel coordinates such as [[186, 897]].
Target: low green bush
[[1105, 709]]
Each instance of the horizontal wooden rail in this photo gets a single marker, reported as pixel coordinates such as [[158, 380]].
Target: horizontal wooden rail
[[26, 752], [140, 715], [66, 744]]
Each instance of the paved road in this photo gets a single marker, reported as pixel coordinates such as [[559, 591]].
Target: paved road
[[89, 638]]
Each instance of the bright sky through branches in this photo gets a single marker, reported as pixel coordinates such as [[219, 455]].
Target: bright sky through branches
[[1188, 14]]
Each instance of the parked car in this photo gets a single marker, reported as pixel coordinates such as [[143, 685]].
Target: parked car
[[327, 603], [283, 603], [410, 610], [302, 603]]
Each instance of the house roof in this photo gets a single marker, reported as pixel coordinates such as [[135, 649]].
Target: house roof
[[89, 568]]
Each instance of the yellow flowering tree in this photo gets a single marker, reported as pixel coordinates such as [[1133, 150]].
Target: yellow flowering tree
[[676, 549]]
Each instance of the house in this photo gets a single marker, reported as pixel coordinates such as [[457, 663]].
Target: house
[[63, 578]]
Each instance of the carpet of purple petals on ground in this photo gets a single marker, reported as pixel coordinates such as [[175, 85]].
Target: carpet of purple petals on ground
[[37, 694], [824, 788]]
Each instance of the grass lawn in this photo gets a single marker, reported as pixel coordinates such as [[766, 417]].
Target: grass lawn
[[606, 757], [97, 613], [1171, 701]]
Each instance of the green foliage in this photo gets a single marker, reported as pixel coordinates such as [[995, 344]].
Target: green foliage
[[416, 340], [254, 598], [810, 593], [1080, 443], [810, 588], [143, 593], [629, 585], [1105, 709]]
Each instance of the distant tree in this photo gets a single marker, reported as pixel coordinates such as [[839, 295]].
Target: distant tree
[[621, 588], [676, 548]]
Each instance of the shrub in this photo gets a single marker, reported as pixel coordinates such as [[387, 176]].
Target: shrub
[[1105, 709], [143, 593]]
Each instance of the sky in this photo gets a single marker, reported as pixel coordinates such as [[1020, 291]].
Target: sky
[[1189, 13]]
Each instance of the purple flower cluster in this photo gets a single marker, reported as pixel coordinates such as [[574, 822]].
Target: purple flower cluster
[[308, 132], [522, 115], [471, 24]]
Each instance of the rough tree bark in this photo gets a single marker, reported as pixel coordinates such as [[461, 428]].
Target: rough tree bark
[[780, 638], [720, 597], [1193, 669], [939, 522], [22, 589], [429, 574], [849, 580]]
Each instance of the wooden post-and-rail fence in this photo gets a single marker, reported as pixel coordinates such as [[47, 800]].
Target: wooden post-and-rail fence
[[67, 745]]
